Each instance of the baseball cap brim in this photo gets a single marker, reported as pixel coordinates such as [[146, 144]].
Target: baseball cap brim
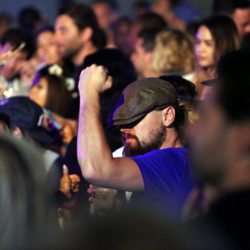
[[131, 121]]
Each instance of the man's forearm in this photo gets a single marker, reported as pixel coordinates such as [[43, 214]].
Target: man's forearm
[[93, 152]]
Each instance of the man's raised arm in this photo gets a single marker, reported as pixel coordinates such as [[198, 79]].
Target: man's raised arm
[[94, 155]]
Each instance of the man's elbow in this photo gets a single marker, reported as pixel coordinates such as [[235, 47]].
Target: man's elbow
[[90, 173]]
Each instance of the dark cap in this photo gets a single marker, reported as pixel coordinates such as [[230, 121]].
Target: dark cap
[[26, 115], [141, 97]]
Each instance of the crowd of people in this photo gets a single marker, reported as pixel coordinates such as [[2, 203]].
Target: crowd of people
[[121, 132]]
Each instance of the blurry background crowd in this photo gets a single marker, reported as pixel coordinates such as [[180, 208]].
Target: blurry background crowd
[[44, 46]]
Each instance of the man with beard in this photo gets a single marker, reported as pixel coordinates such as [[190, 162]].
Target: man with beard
[[78, 33], [133, 147], [150, 114], [186, 95]]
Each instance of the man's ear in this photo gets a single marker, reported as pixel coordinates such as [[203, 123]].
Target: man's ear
[[168, 116], [86, 34]]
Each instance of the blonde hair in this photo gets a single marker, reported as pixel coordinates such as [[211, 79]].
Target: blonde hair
[[173, 53]]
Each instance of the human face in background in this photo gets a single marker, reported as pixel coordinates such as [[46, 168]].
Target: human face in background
[[241, 17], [204, 48], [104, 14], [145, 136], [139, 58], [68, 37], [39, 92], [14, 64], [46, 48], [124, 37]]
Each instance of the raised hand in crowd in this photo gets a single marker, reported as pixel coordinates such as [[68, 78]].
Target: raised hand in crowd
[[69, 184], [99, 78]]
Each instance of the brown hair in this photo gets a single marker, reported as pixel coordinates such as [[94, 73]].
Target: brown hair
[[226, 39], [61, 98], [224, 33]]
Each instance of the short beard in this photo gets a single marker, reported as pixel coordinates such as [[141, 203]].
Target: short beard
[[155, 143]]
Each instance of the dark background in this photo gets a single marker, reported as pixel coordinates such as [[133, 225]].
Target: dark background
[[49, 8]]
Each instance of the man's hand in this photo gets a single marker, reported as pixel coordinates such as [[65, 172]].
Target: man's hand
[[94, 78], [6, 55], [69, 183]]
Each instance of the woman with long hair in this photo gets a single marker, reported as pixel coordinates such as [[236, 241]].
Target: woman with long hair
[[215, 37]]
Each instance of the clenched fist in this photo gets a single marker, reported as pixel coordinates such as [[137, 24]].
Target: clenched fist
[[94, 78]]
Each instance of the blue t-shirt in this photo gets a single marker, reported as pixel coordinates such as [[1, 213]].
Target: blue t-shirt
[[167, 179]]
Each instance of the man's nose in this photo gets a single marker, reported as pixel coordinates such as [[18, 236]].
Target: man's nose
[[126, 132]]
